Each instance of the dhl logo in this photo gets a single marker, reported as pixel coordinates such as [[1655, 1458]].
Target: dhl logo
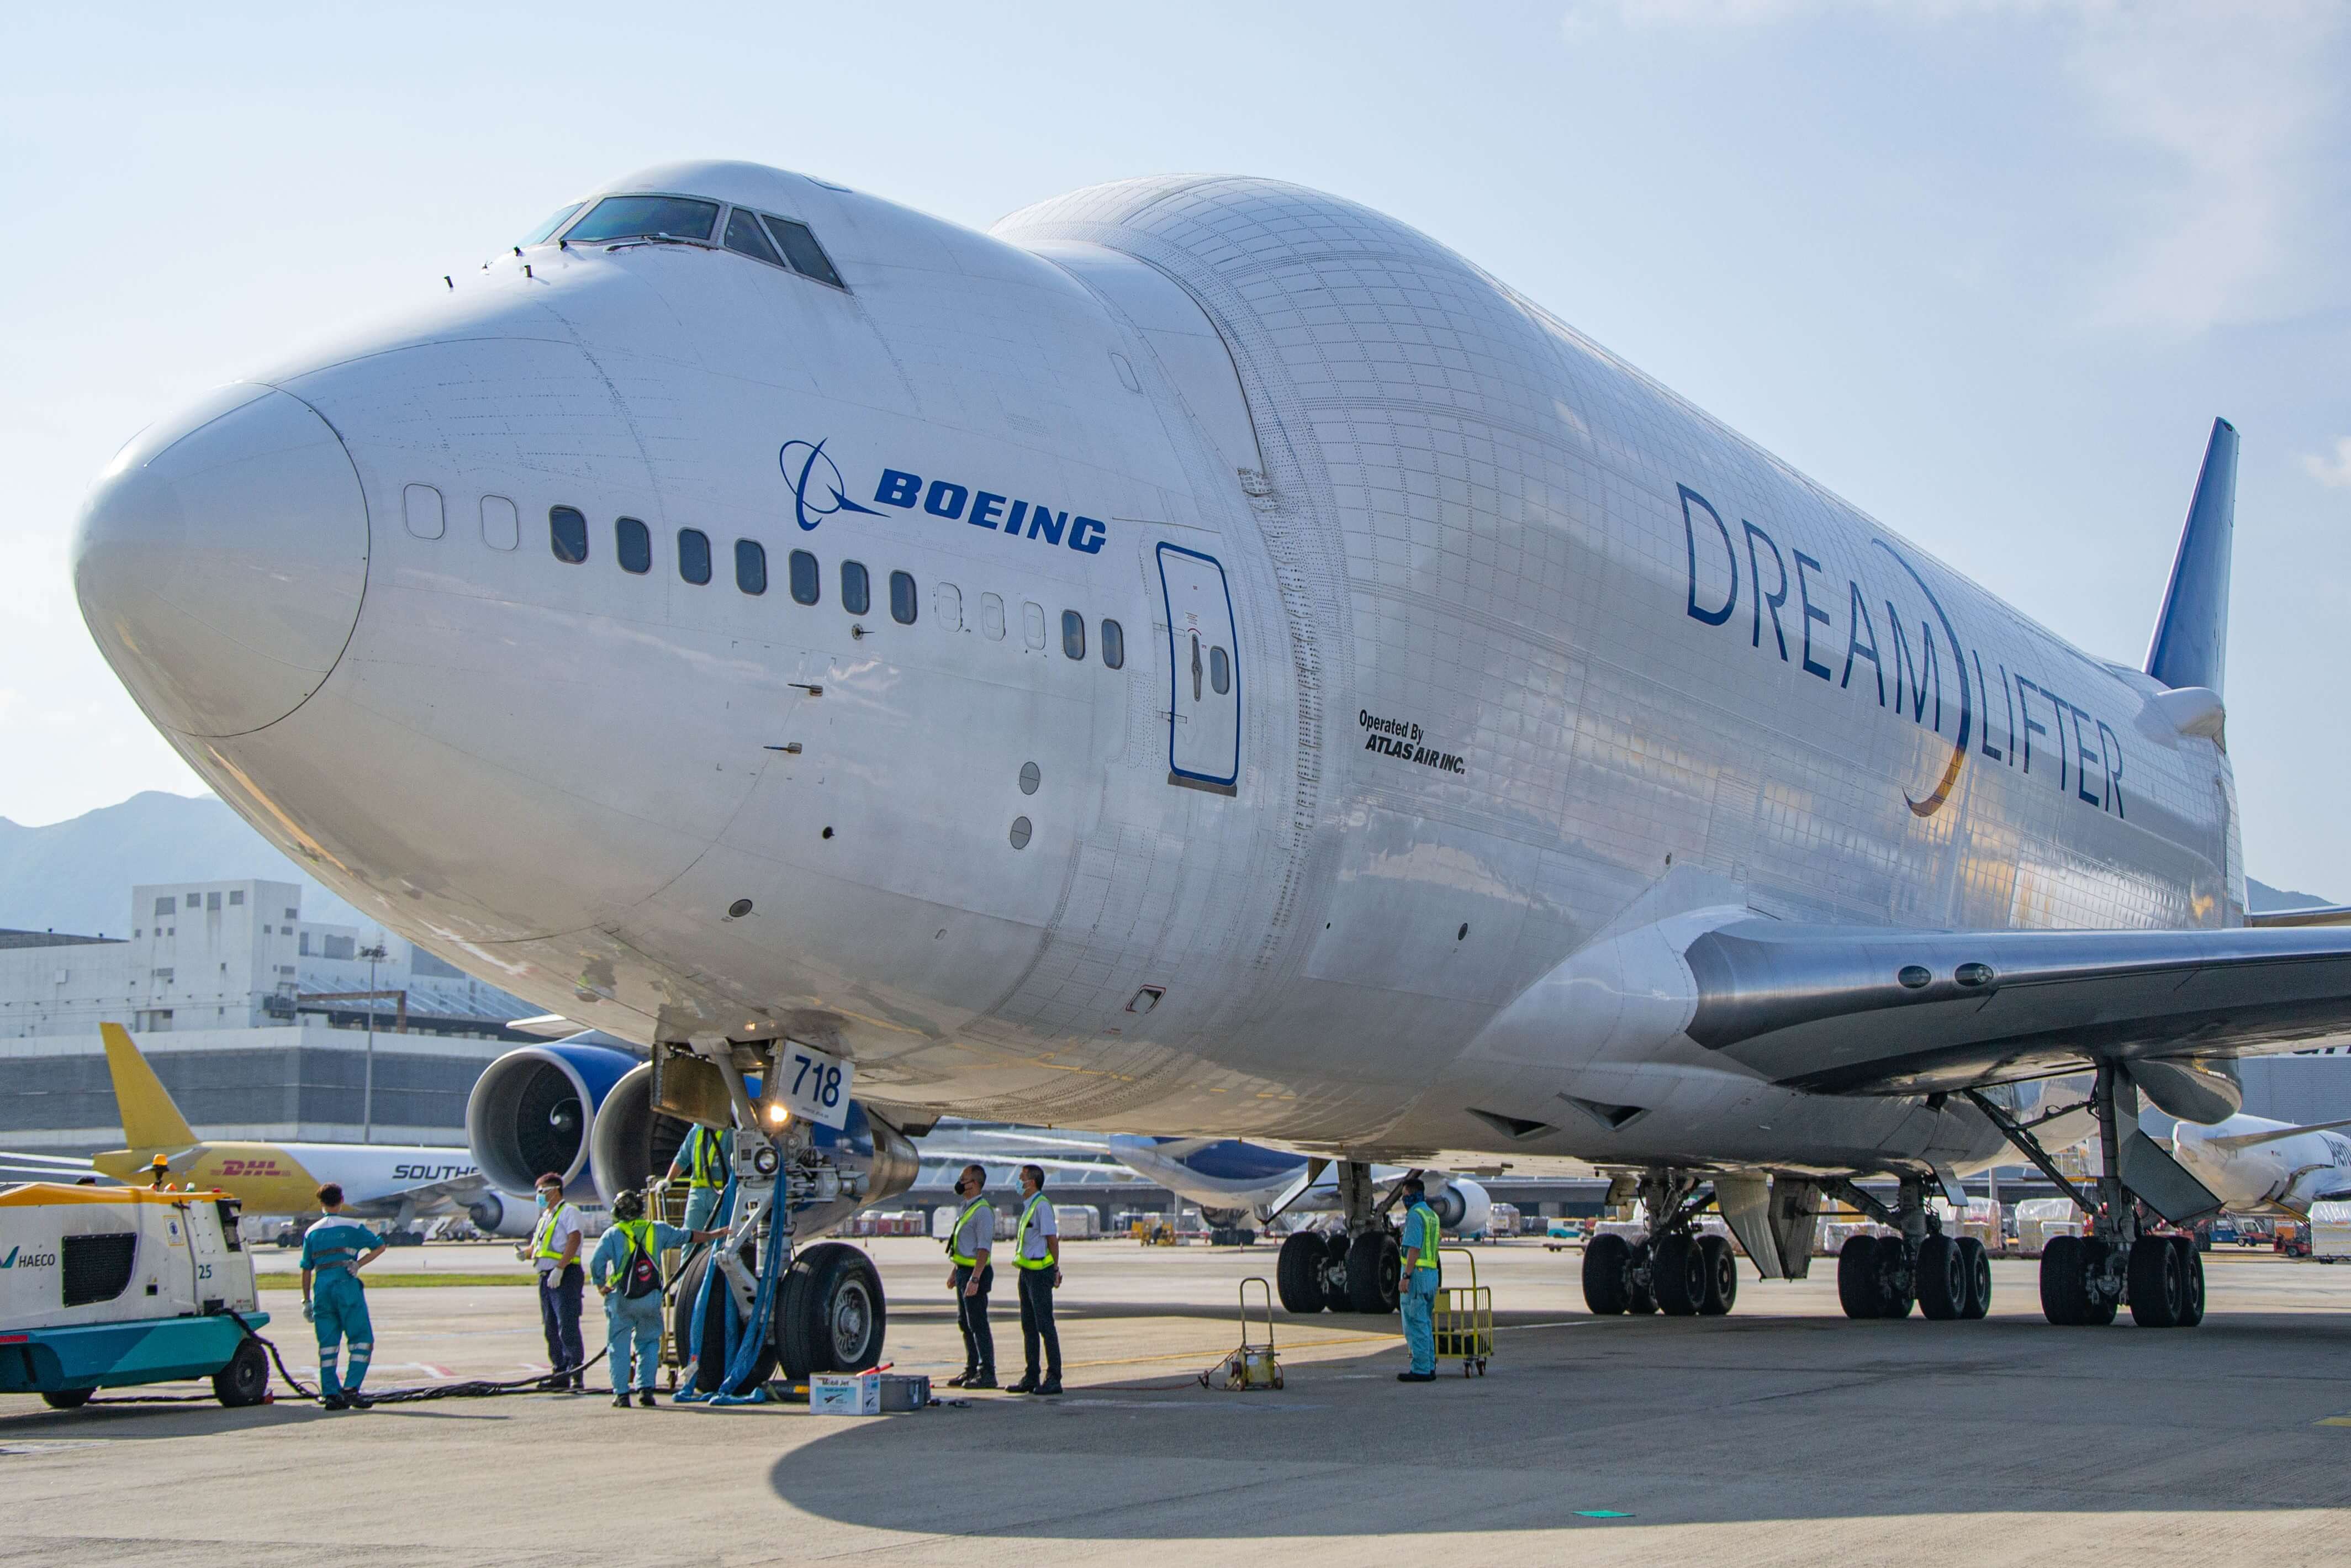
[[251, 1169]]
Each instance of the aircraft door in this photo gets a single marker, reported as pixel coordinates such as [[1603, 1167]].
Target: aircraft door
[[1204, 716]]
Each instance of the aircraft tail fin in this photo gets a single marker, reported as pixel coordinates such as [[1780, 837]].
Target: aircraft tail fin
[[2190, 644], [149, 1118]]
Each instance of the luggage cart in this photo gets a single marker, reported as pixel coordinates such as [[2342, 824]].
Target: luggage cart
[[1464, 1319]]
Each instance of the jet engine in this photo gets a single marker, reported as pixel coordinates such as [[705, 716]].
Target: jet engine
[[832, 1176], [1462, 1206], [502, 1214], [532, 1110]]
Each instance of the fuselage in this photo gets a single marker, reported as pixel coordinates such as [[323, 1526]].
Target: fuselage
[[1445, 644], [284, 1179], [2287, 1173]]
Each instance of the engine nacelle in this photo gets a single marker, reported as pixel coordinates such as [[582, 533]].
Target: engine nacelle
[[864, 1163], [1462, 1206], [502, 1214], [532, 1110]]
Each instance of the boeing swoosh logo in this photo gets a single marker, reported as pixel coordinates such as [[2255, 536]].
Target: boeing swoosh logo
[[1934, 803], [815, 482]]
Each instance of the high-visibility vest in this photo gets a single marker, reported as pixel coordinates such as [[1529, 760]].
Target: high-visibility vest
[[702, 1154], [956, 1234], [1425, 1257], [543, 1244], [1019, 1253]]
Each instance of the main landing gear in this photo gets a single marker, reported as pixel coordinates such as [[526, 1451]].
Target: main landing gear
[[2084, 1280], [1350, 1270], [1673, 1270], [1948, 1278]]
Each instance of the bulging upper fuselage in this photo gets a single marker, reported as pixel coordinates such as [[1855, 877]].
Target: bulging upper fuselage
[[1186, 662]]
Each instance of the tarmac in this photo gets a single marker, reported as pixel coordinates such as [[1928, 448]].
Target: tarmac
[[1781, 1434]]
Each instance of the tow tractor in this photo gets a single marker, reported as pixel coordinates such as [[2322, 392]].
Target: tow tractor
[[107, 1287]]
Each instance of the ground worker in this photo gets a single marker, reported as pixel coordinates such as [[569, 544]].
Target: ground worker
[[1036, 1253], [554, 1250], [702, 1161], [626, 1270], [334, 1251], [1418, 1292], [968, 1241]]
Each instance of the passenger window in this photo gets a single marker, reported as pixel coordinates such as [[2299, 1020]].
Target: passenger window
[[1113, 645], [646, 217], [1221, 671], [694, 555], [750, 565], [421, 504], [501, 524], [804, 578], [856, 590], [902, 598], [799, 242], [949, 600], [568, 533], [991, 617], [1032, 624], [636, 546], [1073, 634], [743, 234]]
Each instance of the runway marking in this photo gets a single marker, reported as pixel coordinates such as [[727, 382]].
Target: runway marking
[[1600, 1513], [2333, 1421], [30, 1447]]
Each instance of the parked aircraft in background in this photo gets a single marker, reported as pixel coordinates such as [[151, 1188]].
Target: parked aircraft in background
[[1201, 659], [2254, 1165]]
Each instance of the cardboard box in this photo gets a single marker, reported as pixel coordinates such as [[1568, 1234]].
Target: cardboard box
[[845, 1393], [901, 1392]]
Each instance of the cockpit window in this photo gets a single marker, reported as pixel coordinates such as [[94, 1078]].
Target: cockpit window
[[646, 217], [799, 242], [545, 231], [743, 234]]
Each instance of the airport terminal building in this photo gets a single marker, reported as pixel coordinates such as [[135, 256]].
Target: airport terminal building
[[255, 1019]]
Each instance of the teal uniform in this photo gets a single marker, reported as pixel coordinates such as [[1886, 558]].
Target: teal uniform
[[1421, 1231], [338, 1302], [707, 1155], [632, 1328]]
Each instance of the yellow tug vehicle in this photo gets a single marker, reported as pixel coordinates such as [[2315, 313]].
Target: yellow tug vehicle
[[107, 1287]]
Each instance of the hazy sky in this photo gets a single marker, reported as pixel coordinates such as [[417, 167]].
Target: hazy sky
[[1987, 270]]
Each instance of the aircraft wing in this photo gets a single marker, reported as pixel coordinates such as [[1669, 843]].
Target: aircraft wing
[[1858, 1010]]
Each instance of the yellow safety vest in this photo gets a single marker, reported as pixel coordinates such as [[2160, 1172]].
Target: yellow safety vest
[[1019, 1253], [956, 1233], [543, 1244], [702, 1145], [639, 1232], [1429, 1230]]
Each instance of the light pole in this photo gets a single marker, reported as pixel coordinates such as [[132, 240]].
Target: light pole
[[374, 955]]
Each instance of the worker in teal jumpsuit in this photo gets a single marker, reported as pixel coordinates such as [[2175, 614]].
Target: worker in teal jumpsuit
[[626, 1269], [334, 1251], [1416, 1291]]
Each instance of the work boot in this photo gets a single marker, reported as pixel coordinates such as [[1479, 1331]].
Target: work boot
[[962, 1379], [621, 1400], [333, 1402], [645, 1398], [980, 1380], [1050, 1385], [1027, 1384], [1416, 1377], [553, 1385]]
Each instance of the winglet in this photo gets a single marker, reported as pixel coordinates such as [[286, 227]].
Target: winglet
[[150, 1119], [2191, 635]]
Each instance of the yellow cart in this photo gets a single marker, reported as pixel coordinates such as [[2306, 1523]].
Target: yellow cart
[[1464, 1319]]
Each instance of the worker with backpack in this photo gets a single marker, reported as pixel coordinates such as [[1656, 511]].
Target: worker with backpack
[[626, 1269]]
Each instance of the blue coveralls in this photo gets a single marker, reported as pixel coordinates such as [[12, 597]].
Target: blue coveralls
[[632, 1326], [1418, 1301], [338, 1302]]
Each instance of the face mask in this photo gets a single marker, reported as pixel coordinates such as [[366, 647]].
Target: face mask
[[545, 1201]]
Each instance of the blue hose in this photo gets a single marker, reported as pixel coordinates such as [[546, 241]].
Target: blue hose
[[724, 1217], [743, 1351]]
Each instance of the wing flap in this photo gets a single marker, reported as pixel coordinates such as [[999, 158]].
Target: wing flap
[[1841, 1009]]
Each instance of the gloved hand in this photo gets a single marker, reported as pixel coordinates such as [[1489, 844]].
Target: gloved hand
[[661, 1185], [309, 1316]]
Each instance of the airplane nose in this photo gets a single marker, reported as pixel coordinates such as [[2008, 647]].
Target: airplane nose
[[221, 558]]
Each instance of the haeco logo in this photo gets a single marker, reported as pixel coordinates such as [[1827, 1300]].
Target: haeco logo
[[19, 1258], [818, 492]]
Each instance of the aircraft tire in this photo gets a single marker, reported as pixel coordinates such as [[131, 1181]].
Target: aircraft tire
[[1297, 1272], [2191, 1261], [1721, 1265], [2158, 1285], [1942, 1279], [1898, 1278], [1375, 1260], [2062, 1299], [1608, 1276], [246, 1379], [1857, 1276], [1978, 1262], [1678, 1275], [711, 1370], [1335, 1246], [830, 1313], [66, 1398]]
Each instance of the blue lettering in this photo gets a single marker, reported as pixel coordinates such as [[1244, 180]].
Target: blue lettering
[[1086, 535], [1729, 556], [1920, 674], [898, 489], [1855, 648], [2113, 748], [985, 510], [1755, 574], [1804, 595], [1012, 523], [946, 500], [1985, 739], [2032, 727], [2082, 752], [1051, 531]]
